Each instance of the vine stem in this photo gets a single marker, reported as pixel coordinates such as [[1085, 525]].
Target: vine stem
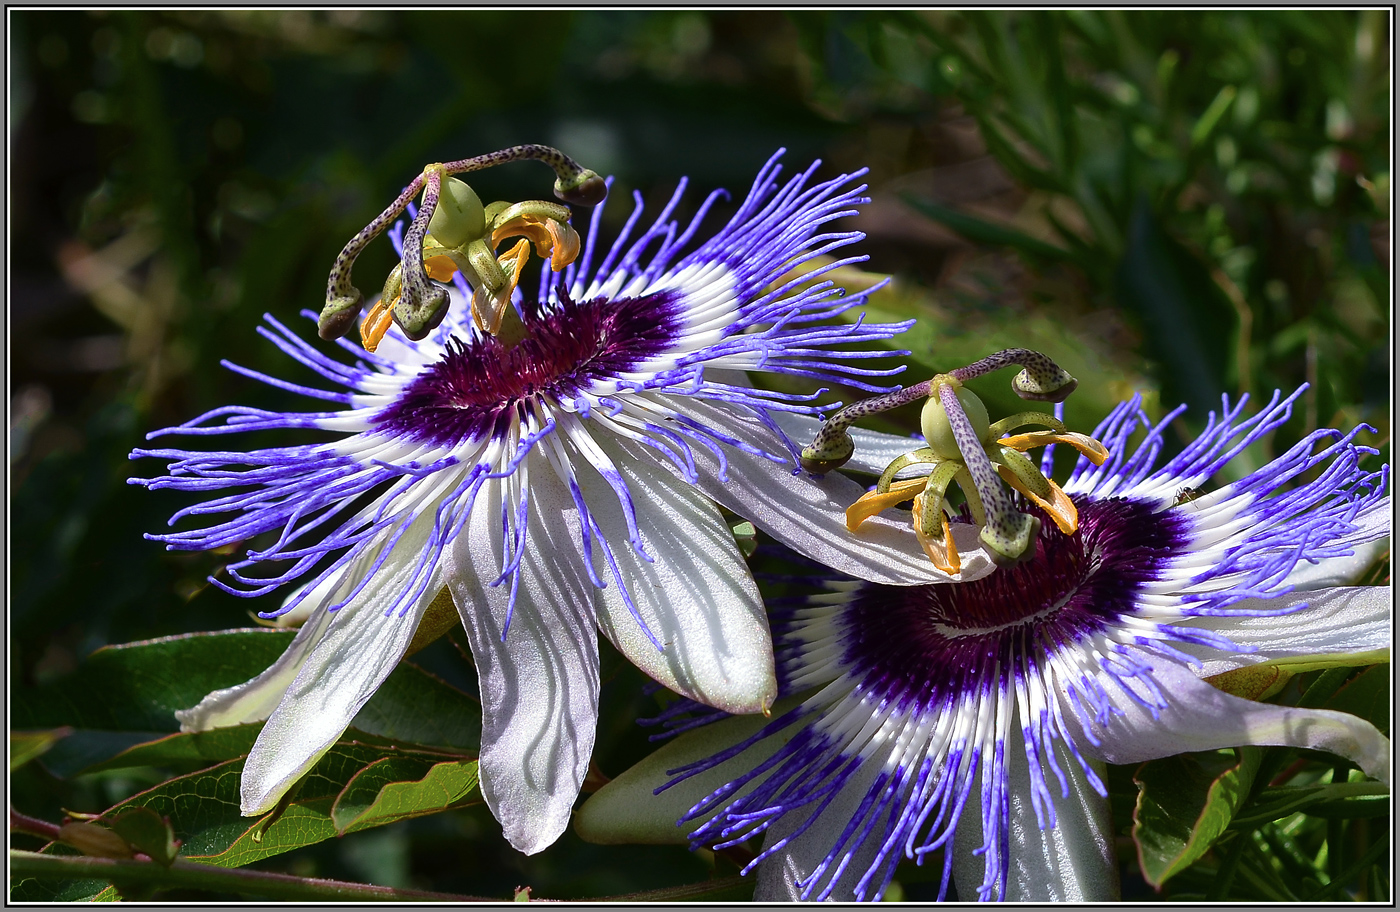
[[21, 823], [191, 874]]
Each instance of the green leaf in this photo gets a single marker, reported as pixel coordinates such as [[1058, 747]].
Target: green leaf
[[980, 231], [1184, 804], [389, 790], [1332, 800], [147, 832], [85, 748], [203, 807], [193, 749], [1367, 696], [138, 686], [1202, 129], [123, 701], [25, 746], [1189, 325]]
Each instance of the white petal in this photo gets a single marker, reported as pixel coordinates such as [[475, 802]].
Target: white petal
[[809, 515], [874, 450], [539, 689], [628, 810], [255, 700], [342, 671], [1072, 861], [1337, 622], [1198, 717], [779, 877], [1368, 543], [696, 596]]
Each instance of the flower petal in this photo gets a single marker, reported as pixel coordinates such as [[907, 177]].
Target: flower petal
[[1198, 717], [1071, 861], [357, 651], [1368, 543], [255, 700], [539, 688], [1336, 622], [696, 596], [780, 877], [628, 810], [809, 514]]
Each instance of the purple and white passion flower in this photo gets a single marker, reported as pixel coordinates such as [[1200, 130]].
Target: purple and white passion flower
[[557, 483], [973, 717]]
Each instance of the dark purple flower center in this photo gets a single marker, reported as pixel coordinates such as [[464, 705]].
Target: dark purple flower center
[[927, 642], [477, 387]]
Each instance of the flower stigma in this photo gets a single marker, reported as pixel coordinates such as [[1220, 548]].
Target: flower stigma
[[965, 447], [451, 233]]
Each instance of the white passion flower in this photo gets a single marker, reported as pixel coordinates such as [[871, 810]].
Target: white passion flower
[[972, 718], [558, 483]]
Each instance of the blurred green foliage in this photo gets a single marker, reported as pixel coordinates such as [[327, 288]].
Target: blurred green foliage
[[1186, 202]]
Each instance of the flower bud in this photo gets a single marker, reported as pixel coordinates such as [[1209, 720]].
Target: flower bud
[[94, 840]]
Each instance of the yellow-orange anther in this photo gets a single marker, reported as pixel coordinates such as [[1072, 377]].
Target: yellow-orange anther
[[873, 502], [376, 323], [552, 238], [440, 268], [1061, 509], [944, 554], [1085, 444], [489, 308]]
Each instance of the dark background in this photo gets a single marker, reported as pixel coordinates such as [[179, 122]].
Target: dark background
[[1181, 203]]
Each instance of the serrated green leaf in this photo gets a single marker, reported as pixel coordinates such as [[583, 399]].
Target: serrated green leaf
[[1184, 804], [203, 807], [396, 797], [26, 745], [1367, 696], [361, 792]]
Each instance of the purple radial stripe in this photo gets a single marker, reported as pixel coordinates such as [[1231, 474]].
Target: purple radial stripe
[[917, 643], [473, 391]]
